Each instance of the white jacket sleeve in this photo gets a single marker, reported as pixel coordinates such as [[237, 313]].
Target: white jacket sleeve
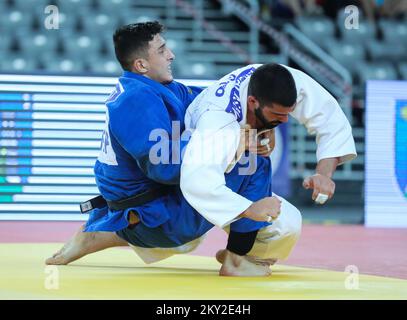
[[211, 148], [321, 114]]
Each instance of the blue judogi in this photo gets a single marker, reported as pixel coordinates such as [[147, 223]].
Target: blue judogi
[[137, 107]]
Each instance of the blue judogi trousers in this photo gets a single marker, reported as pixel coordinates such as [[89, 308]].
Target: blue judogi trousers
[[185, 224]]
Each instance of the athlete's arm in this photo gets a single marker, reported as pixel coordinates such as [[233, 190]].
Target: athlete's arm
[[143, 127], [210, 150]]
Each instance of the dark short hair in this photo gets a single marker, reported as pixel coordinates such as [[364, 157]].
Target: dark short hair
[[131, 41], [272, 83]]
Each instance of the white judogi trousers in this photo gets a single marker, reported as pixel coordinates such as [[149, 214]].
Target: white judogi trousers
[[274, 242]]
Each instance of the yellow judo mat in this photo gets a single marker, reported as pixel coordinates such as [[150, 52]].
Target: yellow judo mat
[[119, 274]]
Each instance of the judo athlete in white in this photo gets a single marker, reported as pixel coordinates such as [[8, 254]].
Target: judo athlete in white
[[243, 97]]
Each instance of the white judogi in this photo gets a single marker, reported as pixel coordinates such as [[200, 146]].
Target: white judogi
[[316, 109], [202, 180]]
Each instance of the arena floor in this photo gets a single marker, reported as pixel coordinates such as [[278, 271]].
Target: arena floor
[[316, 269]]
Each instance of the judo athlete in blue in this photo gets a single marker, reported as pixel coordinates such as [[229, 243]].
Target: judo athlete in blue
[[145, 99]]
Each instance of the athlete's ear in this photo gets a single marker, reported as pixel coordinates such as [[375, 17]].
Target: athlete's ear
[[140, 66], [252, 102]]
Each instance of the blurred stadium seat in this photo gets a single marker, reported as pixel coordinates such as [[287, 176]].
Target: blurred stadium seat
[[30, 5], [394, 31], [379, 50], [37, 43], [98, 23], [318, 29], [347, 54], [177, 42], [61, 64], [82, 45], [114, 6], [178, 47], [5, 43], [72, 6], [18, 64], [105, 66], [16, 20], [364, 33], [403, 70], [376, 71], [107, 46], [193, 70]]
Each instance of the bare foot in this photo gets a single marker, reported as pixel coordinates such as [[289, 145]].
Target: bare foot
[[220, 257], [83, 243], [239, 266]]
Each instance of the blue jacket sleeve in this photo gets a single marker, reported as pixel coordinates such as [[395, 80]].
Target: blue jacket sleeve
[[142, 126]]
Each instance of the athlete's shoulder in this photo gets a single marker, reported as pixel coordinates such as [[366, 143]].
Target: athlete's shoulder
[[243, 71], [129, 93], [133, 87], [296, 73]]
